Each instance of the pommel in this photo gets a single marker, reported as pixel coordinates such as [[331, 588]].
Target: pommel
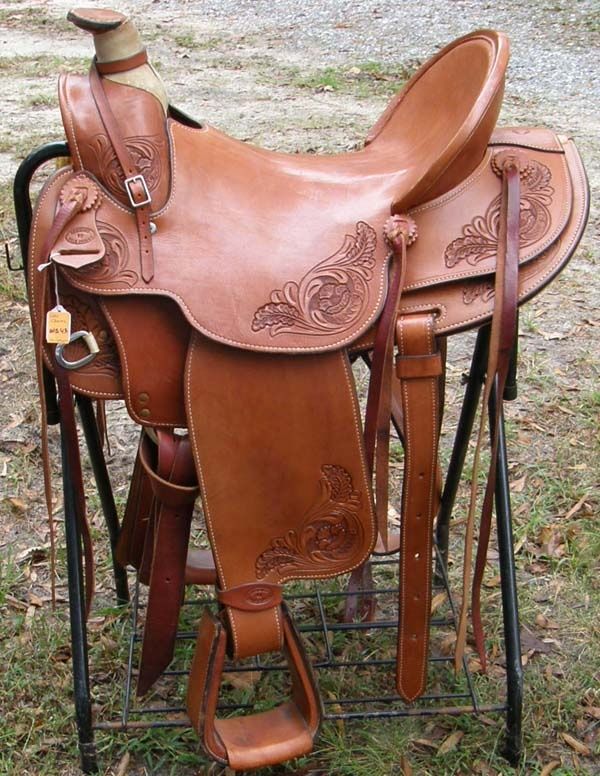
[[96, 20]]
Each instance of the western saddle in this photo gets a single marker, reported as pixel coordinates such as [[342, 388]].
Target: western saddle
[[223, 292]]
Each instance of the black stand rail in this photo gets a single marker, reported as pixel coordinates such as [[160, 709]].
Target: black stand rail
[[105, 493], [315, 608]]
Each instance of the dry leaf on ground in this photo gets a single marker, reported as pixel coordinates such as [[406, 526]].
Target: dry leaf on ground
[[450, 743], [245, 680], [577, 745], [123, 766], [551, 766]]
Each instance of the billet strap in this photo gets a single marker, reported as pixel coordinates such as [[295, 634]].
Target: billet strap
[[400, 232], [255, 740], [510, 165], [134, 183], [175, 489], [122, 65], [419, 367]]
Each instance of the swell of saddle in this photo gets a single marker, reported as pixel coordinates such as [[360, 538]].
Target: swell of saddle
[[142, 122]]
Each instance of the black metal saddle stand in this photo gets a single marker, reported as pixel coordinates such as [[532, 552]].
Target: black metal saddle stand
[[511, 707]]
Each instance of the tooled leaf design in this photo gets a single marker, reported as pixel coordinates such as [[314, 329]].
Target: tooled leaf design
[[112, 268], [88, 317], [144, 151], [479, 240], [330, 297], [483, 291], [329, 535]]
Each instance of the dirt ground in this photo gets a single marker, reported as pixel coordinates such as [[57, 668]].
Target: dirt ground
[[314, 78]]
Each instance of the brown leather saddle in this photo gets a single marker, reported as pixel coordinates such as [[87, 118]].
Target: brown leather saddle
[[224, 289]]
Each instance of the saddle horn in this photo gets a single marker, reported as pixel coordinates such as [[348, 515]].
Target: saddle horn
[[120, 54]]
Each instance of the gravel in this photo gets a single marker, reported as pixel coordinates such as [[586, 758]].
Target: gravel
[[553, 77], [555, 46]]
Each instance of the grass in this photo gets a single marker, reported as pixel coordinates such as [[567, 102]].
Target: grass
[[32, 17], [42, 65], [557, 687], [363, 80], [189, 41], [11, 283], [41, 101], [185, 40]]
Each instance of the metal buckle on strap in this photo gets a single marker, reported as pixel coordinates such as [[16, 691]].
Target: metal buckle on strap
[[91, 343], [128, 182]]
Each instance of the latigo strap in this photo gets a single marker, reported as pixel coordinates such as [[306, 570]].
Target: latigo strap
[[174, 487]]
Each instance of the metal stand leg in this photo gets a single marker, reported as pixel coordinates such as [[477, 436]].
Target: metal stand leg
[[94, 446], [81, 682], [461, 444], [510, 607]]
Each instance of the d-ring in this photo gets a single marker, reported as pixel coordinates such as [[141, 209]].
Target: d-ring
[[90, 341]]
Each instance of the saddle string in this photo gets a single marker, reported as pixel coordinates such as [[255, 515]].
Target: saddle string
[[502, 337], [400, 232], [507, 334], [66, 212], [72, 453]]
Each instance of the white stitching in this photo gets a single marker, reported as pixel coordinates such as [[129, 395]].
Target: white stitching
[[69, 112]]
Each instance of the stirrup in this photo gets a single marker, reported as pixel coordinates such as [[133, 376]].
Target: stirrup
[[261, 739]]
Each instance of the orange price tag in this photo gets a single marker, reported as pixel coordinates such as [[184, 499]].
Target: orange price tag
[[58, 326]]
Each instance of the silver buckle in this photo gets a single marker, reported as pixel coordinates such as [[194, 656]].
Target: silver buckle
[[137, 179]]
